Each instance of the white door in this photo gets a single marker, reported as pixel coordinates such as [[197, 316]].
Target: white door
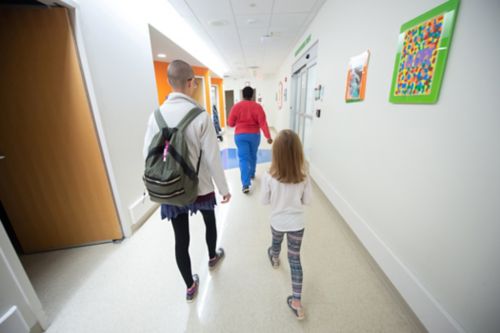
[[309, 110], [301, 119]]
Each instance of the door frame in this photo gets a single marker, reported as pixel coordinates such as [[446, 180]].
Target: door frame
[[203, 88], [215, 99], [300, 72], [228, 110], [217, 102]]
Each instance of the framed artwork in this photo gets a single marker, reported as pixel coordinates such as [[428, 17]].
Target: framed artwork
[[423, 47], [356, 77]]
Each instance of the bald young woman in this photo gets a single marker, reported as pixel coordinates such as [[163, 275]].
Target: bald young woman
[[200, 136]]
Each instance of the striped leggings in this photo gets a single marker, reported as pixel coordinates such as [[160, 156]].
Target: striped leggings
[[294, 239]]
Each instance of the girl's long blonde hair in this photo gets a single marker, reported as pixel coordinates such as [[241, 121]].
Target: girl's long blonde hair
[[287, 165]]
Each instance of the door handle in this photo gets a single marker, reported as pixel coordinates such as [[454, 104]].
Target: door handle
[[2, 157]]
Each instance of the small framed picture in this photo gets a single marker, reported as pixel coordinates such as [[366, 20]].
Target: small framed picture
[[356, 77]]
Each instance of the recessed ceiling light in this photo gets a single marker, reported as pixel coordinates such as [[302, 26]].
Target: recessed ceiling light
[[253, 67], [218, 23], [161, 55], [252, 21]]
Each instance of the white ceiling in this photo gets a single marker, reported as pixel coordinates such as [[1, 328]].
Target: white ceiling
[[239, 42], [161, 44]]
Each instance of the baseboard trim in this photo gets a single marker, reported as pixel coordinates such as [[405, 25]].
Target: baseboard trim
[[36, 328], [142, 209], [432, 315]]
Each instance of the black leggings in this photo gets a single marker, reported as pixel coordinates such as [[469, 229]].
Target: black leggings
[[181, 231]]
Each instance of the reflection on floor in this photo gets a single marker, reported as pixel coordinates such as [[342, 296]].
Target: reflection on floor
[[135, 286], [230, 157]]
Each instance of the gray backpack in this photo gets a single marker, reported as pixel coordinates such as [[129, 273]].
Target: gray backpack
[[169, 176]]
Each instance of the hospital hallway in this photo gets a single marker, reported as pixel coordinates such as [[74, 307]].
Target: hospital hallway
[[397, 120], [135, 286]]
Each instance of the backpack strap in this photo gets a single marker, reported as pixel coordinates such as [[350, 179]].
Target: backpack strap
[[187, 170], [163, 126], [189, 117], [160, 121]]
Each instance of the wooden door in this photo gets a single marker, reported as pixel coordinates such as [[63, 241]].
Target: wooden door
[[229, 97], [53, 182]]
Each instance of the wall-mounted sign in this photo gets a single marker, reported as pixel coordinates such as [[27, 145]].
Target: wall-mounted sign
[[303, 45]]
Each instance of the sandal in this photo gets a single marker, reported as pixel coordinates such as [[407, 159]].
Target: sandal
[[299, 313], [274, 262]]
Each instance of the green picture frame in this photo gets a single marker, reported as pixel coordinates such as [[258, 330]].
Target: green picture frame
[[423, 47]]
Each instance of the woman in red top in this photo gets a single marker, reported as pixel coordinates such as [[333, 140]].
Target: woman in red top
[[249, 118]]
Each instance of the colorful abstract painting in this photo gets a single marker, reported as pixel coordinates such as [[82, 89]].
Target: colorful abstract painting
[[422, 51], [356, 77], [418, 58]]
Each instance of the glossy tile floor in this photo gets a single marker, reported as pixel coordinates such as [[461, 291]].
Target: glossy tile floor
[[230, 159], [135, 286]]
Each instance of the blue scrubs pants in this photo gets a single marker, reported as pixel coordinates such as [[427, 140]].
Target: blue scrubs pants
[[247, 144]]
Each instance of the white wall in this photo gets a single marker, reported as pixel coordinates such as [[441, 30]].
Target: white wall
[[15, 288], [120, 61], [419, 184]]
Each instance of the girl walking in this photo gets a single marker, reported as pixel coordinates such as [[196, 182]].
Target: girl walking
[[286, 187]]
